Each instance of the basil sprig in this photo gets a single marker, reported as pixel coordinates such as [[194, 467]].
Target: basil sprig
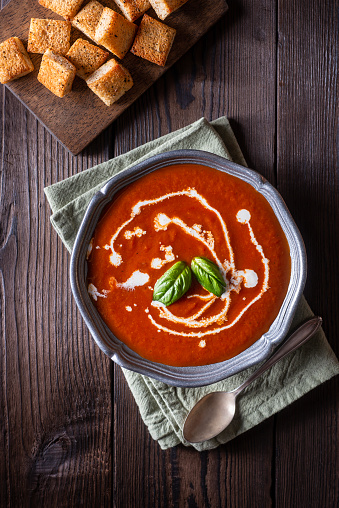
[[173, 284], [208, 275]]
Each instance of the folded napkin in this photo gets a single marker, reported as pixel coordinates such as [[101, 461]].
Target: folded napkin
[[163, 408]]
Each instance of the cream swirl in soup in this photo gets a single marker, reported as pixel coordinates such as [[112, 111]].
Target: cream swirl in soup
[[175, 214]]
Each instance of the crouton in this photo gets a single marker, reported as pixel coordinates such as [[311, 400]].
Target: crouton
[[49, 33], [110, 82], [133, 9], [66, 8], [56, 73], [153, 40], [86, 57], [14, 60], [88, 18], [115, 33], [164, 8]]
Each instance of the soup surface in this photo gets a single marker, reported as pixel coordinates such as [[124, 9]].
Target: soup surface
[[175, 214]]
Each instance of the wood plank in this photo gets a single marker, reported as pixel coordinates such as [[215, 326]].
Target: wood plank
[[80, 116], [4, 423], [307, 432], [237, 474], [220, 75], [55, 383]]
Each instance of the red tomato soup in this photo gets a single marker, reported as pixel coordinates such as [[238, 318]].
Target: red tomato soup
[[175, 214]]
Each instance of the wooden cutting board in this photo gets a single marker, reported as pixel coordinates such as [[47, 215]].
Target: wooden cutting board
[[80, 116]]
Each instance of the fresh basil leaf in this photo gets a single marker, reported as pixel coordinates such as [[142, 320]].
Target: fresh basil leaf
[[173, 284], [209, 275]]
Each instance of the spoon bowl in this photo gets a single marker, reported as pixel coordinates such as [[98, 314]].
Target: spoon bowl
[[215, 411], [210, 416]]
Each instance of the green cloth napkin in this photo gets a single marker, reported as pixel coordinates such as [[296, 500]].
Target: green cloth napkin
[[163, 408]]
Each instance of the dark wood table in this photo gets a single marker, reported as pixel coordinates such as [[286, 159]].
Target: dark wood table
[[70, 433]]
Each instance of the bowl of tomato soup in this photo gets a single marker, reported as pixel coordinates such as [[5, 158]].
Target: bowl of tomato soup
[[188, 268]]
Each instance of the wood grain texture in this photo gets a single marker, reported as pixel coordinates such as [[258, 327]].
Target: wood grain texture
[[307, 164], [80, 116], [55, 384], [70, 431]]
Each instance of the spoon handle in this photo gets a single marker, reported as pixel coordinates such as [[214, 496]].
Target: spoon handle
[[301, 335]]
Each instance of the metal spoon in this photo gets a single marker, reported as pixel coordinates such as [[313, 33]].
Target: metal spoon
[[215, 411]]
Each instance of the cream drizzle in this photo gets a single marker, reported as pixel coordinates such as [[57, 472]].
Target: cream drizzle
[[136, 232], [157, 263], [136, 279], [94, 293], [248, 277], [164, 221]]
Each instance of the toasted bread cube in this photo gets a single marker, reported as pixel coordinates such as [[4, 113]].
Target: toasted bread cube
[[110, 82], [56, 73], [133, 9], [86, 57], [164, 8], [115, 33], [88, 18], [49, 33], [66, 8], [14, 60], [153, 40]]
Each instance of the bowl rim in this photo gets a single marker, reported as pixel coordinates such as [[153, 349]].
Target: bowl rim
[[198, 375]]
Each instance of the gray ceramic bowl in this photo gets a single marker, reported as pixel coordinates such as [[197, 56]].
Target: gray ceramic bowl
[[187, 376]]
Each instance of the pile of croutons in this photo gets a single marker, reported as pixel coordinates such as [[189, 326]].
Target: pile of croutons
[[117, 33]]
